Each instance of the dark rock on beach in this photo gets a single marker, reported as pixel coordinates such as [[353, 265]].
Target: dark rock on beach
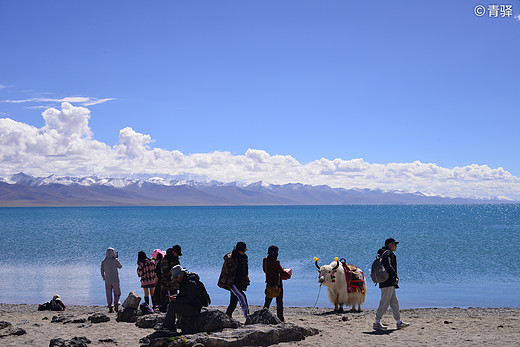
[[158, 338], [81, 341], [128, 315], [12, 331], [150, 321], [4, 324], [207, 321], [255, 335], [263, 317], [108, 340], [98, 318]]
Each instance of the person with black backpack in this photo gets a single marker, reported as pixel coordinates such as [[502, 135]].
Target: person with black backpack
[[189, 301], [388, 287]]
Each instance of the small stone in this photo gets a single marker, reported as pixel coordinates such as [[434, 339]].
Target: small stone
[[57, 319], [344, 318], [98, 318], [447, 322], [12, 331], [108, 340], [4, 324]]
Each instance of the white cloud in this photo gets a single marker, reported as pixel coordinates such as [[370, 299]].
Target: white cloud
[[517, 17], [65, 145], [82, 100]]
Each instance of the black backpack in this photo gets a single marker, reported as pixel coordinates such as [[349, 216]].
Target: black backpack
[[378, 273], [204, 296]]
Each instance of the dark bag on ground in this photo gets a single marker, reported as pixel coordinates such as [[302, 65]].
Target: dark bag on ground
[[378, 273]]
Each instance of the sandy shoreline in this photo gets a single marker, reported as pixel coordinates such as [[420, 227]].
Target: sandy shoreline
[[430, 327]]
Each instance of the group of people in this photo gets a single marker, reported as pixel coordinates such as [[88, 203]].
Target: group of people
[[174, 290]]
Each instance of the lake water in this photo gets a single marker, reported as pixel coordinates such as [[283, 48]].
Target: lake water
[[462, 255]]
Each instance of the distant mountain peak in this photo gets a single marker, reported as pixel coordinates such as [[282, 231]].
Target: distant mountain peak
[[186, 189]]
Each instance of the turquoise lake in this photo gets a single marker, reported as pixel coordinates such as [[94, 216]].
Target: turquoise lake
[[449, 255]]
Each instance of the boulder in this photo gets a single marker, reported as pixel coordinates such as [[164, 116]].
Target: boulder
[[254, 335], [128, 315], [132, 301], [263, 316], [207, 321], [98, 318], [261, 335]]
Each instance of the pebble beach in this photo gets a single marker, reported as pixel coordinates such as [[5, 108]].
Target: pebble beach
[[430, 327]]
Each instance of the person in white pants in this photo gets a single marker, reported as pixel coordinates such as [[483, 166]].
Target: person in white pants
[[388, 295]]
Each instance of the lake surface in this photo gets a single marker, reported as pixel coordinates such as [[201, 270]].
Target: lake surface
[[462, 255]]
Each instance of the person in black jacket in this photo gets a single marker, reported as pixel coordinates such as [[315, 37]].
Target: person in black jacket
[[188, 302], [388, 296]]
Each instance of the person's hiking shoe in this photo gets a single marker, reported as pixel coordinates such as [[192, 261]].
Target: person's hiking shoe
[[380, 327], [403, 325], [110, 310]]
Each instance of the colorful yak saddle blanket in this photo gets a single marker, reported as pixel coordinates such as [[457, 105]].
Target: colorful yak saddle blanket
[[355, 278]]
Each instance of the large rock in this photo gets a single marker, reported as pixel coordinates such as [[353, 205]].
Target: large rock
[[132, 301], [128, 315], [261, 335], [263, 316], [207, 321], [254, 335], [150, 321]]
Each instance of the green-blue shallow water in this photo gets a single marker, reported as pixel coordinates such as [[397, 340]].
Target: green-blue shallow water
[[462, 255]]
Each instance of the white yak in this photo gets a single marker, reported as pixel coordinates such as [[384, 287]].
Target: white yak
[[333, 277]]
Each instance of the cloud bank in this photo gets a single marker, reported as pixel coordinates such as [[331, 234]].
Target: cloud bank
[[65, 146]]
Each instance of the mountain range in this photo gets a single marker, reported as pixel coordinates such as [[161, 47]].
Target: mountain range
[[185, 190]]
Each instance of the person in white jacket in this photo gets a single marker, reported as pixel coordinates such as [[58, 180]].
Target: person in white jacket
[[110, 275]]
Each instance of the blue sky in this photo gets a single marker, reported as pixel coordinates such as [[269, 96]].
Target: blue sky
[[385, 82]]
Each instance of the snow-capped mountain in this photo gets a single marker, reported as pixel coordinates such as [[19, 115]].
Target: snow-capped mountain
[[156, 190]]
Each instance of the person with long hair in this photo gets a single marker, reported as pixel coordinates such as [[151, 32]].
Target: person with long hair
[[146, 271]]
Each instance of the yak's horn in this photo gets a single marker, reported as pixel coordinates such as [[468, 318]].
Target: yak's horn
[[337, 264], [316, 262]]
